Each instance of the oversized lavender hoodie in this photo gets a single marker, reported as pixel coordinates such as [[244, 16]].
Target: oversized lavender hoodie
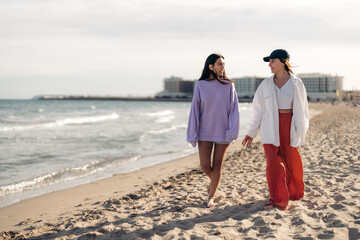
[[214, 114]]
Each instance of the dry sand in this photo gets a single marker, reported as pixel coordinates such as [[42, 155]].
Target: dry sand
[[168, 201]]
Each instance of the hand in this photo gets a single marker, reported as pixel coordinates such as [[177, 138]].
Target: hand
[[247, 141]]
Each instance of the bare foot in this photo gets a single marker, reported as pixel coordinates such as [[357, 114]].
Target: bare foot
[[271, 205], [211, 203], [268, 207]]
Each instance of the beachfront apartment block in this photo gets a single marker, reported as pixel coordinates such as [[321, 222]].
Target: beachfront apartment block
[[322, 87], [319, 87], [177, 87], [246, 86]]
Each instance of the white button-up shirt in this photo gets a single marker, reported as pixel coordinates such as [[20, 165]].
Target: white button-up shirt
[[265, 115]]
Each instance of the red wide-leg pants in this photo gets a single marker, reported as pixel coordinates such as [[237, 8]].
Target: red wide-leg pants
[[284, 171]]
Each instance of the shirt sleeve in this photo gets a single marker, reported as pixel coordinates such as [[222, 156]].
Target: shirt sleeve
[[306, 107], [302, 121], [256, 115], [233, 131], [194, 118]]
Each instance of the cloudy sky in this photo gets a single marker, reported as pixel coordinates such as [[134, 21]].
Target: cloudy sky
[[127, 47]]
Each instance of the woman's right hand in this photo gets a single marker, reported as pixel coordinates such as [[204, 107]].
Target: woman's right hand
[[247, 141]]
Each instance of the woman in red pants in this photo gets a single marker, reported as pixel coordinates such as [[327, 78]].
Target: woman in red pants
[[280, 112]]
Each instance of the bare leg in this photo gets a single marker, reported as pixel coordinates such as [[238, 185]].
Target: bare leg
[[219, 153], [205, 149]]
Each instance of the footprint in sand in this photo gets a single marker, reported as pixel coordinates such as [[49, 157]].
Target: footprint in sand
[[337, 206], [339, 198], [326, 235], [297, 221]]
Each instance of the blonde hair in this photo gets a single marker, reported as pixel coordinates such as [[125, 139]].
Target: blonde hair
[[287, 65]]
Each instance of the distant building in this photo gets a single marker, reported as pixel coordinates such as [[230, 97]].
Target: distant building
[[322, 87], [246, 86], [177, 87], [319, 87], [351, 96]]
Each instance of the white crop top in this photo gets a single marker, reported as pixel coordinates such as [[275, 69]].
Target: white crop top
[[285, 95]]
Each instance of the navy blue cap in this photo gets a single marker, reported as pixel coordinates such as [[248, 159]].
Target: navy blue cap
[[281, 54]]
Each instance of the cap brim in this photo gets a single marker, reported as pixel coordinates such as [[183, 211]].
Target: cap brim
[[267, 59]]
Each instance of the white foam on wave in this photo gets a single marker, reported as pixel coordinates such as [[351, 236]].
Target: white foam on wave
[[164, 119], [161, 131], [160, 113], [162, 116], [51, 178], [21, 186], [69, 174], [63, 122]]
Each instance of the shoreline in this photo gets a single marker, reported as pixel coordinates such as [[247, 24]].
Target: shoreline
[[57, 202], [34, 193], [49, 206]]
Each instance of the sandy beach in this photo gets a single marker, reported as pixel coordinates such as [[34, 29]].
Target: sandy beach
[[168, 201]]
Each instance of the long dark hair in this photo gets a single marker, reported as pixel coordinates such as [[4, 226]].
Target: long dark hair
[[207, 72]]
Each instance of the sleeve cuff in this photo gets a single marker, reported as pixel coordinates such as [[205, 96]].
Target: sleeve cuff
[[251, 134], [230, 138], [193, 143]]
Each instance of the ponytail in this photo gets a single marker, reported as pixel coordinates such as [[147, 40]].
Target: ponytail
[[287, 65]]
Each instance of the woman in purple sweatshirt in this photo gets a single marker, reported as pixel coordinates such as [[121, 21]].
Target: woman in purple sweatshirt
[[214, 119]]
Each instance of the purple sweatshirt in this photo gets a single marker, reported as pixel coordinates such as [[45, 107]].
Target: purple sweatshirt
[[214, 114]]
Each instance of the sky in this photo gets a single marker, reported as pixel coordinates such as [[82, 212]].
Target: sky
[[127, 47]]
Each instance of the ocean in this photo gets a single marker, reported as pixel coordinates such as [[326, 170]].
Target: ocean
[[51, 145]]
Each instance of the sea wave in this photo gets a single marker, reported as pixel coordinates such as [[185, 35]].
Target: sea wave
[[160, 113], [63, 122], [163, 116], [161, 131], [61, 176], [164, 119]]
